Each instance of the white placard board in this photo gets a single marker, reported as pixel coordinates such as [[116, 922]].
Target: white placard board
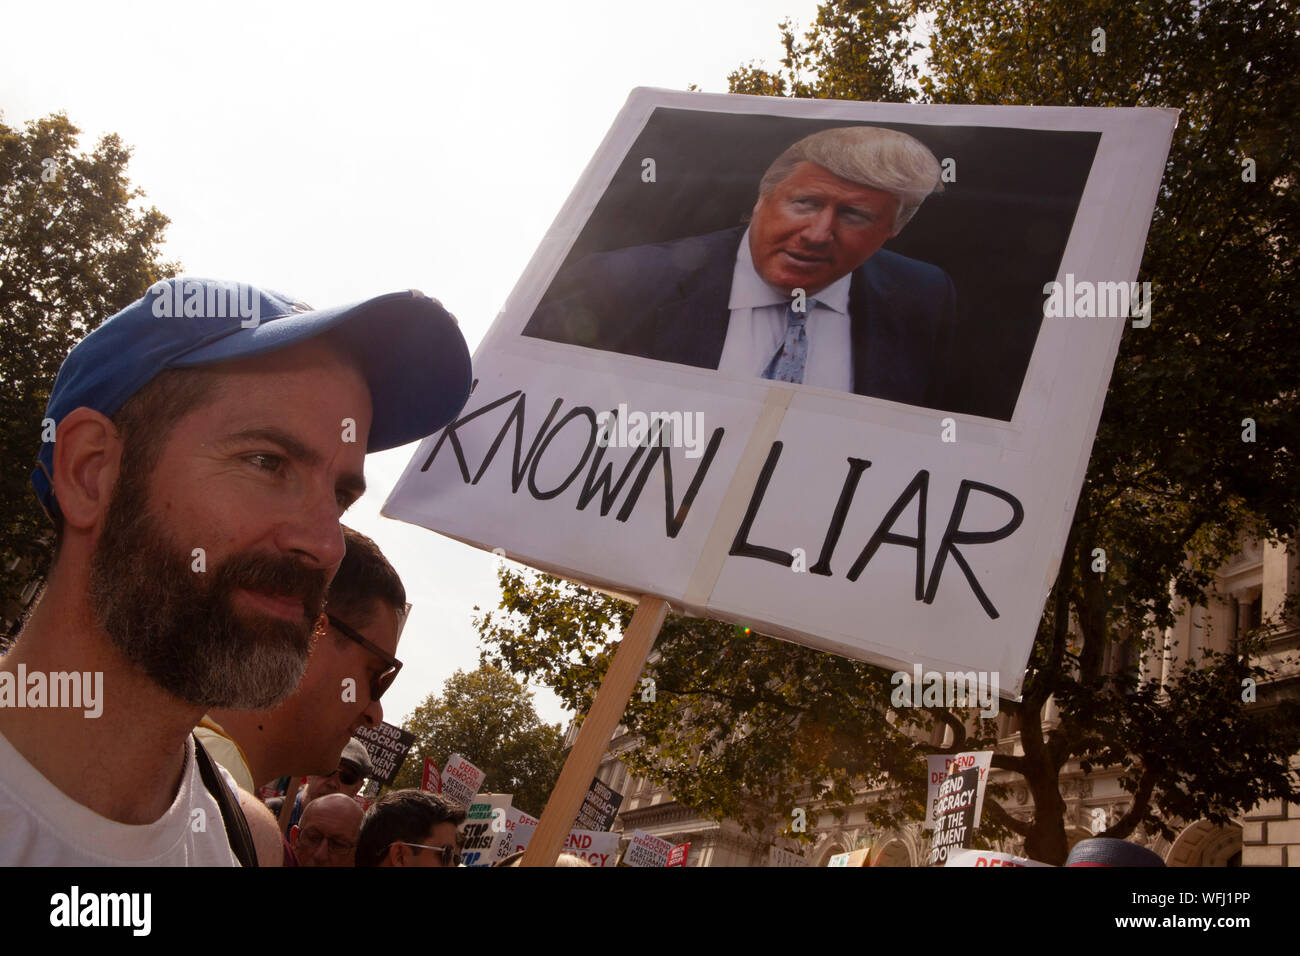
[[915, 512]]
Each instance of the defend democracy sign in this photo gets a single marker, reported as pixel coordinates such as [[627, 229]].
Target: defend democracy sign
[[955, 818], [598, 849], [940, 765], [599, 807], [959, 858], [461, 780], [927, 483], [647, 850], [387, 746]]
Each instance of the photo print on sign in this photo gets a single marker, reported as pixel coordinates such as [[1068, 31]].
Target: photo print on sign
[[943, 315]]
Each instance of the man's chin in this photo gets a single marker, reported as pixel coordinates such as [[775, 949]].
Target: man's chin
[[811, 281]]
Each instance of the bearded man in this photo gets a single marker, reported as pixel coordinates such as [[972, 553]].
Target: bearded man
[[200, 467]]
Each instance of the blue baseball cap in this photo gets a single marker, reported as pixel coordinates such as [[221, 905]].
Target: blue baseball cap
[[407, 345]]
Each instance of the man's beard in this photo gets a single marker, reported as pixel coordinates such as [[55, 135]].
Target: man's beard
[[180, 626]]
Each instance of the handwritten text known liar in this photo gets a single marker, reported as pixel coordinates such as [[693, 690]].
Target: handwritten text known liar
[[624, 489]]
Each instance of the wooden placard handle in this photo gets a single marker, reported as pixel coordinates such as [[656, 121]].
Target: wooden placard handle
[[594, 734]]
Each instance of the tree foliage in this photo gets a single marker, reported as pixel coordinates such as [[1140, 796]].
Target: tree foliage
[[745, 726], [488, 718], [75, 247]]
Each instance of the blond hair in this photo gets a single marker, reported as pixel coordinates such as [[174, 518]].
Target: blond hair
[[870, 156]]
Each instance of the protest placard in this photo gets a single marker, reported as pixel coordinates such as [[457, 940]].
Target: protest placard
[[954, 814], [599, 807], [646, 850], [937, 769], [461, 780], [432, 780], [622, 433], [519, 830], [855, 858], [387, 746], [484, 828], [677, 855], [596, 847], [988, 858]]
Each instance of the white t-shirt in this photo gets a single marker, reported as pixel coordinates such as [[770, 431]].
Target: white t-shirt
[[42, 826]]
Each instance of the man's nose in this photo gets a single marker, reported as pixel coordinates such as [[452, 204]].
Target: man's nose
[[373, 715], [322, 854], [313, 532], [819, 228]]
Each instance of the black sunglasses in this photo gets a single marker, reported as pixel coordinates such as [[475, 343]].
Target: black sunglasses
[[450, 855], [380, 682], [347, 776]]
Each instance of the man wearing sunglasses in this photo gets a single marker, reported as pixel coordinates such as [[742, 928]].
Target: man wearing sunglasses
[[351, 665], [354, 767], [410, 828]]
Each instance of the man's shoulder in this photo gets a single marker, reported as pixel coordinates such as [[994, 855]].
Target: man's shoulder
[[42, 826], [893, 267]]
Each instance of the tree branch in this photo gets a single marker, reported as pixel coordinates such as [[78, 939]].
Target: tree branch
[[1002, 818], [1126, 824]]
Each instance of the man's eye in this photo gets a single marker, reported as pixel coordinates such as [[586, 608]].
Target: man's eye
[[265, 462]]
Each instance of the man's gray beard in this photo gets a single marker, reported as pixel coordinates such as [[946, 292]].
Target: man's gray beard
[[180, 627]]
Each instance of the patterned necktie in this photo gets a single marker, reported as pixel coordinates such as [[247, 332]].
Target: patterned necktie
[[787, 364]]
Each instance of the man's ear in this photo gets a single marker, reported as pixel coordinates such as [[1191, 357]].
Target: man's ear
[[397, 853], [87, 456], [293, 835]]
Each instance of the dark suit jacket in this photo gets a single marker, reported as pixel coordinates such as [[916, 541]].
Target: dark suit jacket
[[668, 301]]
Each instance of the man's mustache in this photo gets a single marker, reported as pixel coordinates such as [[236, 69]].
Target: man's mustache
[[278, 576]]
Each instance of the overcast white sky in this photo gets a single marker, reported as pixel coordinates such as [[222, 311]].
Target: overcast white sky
[[336, 151]]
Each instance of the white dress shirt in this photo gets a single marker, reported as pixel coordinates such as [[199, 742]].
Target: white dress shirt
[[757, 327]]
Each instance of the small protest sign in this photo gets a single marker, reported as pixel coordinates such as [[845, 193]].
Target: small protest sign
[[677, 855], [856, 858], [519, 827], [599, 807], [954, 814], [387, 746], [988, 858], [484, 828], [938, 766], [646, 850], [596, 847], [432, 781], [461, 780]]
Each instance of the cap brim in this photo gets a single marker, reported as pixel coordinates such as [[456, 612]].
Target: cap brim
[[409, 348]]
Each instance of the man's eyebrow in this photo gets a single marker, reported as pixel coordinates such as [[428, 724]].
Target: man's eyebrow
[[349, 481]]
